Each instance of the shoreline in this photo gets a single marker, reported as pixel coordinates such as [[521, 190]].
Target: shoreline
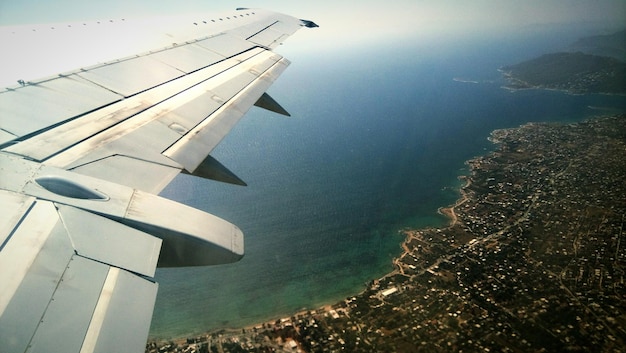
[[325, 309], [515, 84], [401, 268], [449, 211], [454, 286]]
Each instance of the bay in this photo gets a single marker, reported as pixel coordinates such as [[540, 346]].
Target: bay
[[378, 137]]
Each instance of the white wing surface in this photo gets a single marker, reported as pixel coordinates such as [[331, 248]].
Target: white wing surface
[[85, 151]]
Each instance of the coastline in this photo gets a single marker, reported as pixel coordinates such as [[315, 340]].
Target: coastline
[[327, 308], [516, 84], [492, 271], [196, 313], [449, 211]]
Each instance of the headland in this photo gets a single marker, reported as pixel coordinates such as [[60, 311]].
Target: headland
[[591, 65]]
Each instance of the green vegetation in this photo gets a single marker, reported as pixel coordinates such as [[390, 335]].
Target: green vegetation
[[573, 72], [592, 65]]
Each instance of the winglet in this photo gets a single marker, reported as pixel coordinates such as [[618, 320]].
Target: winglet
[[210, 168], [267, 102], [308, 24]]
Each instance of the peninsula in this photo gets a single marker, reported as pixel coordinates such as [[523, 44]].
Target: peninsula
[[532, 260], [592, 65], [576, 73]]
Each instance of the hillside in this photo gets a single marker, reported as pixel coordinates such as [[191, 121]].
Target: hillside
[[573, 72], [611, 45]]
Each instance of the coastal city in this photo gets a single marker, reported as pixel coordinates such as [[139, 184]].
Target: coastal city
[[532, 261]]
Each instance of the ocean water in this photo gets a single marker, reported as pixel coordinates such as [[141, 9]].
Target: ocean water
[[378, 137]]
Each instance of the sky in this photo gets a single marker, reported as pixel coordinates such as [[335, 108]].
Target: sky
[[342, 18], [343, 24]]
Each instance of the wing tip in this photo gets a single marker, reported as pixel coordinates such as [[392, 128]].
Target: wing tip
[[308, 23]]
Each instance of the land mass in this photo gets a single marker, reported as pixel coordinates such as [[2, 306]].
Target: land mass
[[597, 66], [611, 45], [532, 260], [576, 73]]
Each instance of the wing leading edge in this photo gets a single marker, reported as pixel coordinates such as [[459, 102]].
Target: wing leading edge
[[84, 153]]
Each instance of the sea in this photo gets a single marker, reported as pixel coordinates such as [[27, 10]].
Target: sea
[[378, 137]]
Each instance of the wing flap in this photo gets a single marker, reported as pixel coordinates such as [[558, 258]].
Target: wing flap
[[105, 334], [37, 255], [93, 309], [39, 105], [21, 249], [170, 127], [101, 123], [165, 110], [49, 143], [70, 308], [106, 241], [193, 148], [59, 258]]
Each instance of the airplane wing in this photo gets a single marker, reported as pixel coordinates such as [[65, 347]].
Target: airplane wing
[[84, 153]]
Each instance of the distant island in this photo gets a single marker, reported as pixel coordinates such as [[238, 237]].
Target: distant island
[[612, 45], [534, 259], [576, 72]]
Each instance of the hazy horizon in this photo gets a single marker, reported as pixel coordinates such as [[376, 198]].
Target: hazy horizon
[[342, 19], [343, 26]]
